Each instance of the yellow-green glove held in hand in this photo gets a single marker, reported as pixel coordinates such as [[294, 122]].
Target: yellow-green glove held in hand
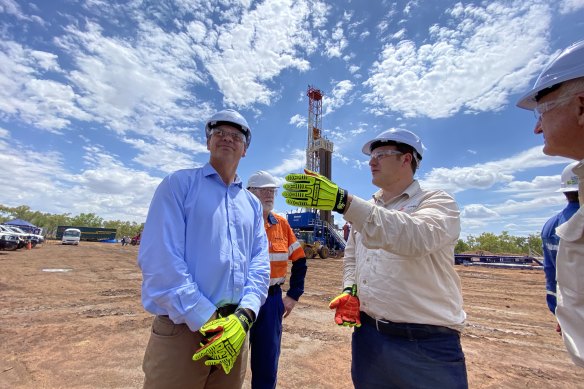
[[225, 336], [312, 190]]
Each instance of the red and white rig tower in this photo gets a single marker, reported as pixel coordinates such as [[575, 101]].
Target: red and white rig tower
[[318, 149]]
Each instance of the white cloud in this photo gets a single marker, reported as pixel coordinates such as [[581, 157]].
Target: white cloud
[[489, 174], [478, 211], [295, 163], [337, 96], [334, 46], [11, 7], [298, 120], [269, 37], [493, 51], [122, 84], [569, 6], [539, 185], [514, 207], [27, 95]]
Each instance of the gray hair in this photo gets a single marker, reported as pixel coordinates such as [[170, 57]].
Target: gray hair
[[572, 87]]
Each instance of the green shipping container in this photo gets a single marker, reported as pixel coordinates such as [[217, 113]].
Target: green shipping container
[[94, 234]]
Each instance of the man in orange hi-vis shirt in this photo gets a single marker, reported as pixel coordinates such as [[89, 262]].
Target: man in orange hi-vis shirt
[[266, 333]]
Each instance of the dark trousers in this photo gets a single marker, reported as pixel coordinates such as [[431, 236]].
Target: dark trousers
[[265, 340], [400, 355]]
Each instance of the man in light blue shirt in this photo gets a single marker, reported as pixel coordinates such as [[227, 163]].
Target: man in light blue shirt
[[205, 267]]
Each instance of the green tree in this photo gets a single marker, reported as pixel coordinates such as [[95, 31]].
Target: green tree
[[461, 247], [87, 220]]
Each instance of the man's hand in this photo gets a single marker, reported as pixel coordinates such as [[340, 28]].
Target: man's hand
[[347, 308], [225, 336], [311, 190], [289, 304]]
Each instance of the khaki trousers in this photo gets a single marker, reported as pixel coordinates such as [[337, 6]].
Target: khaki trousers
[[168, 360]]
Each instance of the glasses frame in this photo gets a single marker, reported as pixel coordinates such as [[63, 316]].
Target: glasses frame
[[378, 155], [237, 137], [542, 108], [264, 191]]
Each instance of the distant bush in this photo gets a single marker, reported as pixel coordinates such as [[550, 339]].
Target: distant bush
[[49, 222], [501, 244]]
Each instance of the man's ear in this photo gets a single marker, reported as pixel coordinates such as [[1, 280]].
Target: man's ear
[[244, 151], [408, 159], [580, 98]]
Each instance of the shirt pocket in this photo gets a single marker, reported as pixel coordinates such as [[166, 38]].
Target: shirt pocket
[[279, 245], [570, 260]]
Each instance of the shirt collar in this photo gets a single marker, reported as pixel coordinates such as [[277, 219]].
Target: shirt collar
[[272, 219], [209, 170], [411, 190]]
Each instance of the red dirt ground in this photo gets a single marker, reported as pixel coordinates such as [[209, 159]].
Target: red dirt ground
[[85, 327]]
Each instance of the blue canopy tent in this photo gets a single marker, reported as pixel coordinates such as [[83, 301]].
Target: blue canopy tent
[[25, 226]]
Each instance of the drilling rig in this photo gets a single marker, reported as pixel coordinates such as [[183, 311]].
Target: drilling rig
[[313, 227], [319, 150]]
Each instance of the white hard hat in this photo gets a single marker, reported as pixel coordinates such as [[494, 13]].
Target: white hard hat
[[568, 65], [396, 135], [261, 179], [569, 179], [231, 117]]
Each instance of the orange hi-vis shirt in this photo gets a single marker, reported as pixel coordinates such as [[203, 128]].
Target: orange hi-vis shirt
[[283, 247]]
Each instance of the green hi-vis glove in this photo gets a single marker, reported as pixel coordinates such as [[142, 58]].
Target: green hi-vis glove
[[347, 308], [225, 336], [312, 190]]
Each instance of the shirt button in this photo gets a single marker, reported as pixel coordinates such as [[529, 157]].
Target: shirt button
[[364, 282]]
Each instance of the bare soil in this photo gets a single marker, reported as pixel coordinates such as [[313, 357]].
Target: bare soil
[[71, 317]]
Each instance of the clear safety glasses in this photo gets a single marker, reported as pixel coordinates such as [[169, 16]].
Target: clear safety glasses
[[378, 155], [235, 136], [265, 191], [542, 108]]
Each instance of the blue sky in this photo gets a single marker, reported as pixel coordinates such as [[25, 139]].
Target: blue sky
[[99, 100]]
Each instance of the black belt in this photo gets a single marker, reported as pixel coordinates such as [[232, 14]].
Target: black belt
[[407, 330], [226, 310], [275, 289]]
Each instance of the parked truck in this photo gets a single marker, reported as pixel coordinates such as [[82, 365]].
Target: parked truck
[[93, 234], [316, 236]]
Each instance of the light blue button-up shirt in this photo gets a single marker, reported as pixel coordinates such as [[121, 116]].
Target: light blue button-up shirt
[[203, 246]]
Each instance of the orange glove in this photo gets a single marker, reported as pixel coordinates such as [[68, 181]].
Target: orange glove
[[347, 308]]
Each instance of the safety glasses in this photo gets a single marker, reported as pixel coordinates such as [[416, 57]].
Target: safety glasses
[[235, 136], [378, 155], [264, 191], [542, 108]]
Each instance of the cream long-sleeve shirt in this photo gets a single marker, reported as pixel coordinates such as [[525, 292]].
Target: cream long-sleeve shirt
[[570, 277], [401, 256]]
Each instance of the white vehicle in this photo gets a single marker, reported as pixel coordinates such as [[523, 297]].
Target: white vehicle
[[71, 236], [33, 238], [22, 239]]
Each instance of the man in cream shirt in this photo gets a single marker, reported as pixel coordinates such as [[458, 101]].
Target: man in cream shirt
[[402, 294], [557, 99]]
